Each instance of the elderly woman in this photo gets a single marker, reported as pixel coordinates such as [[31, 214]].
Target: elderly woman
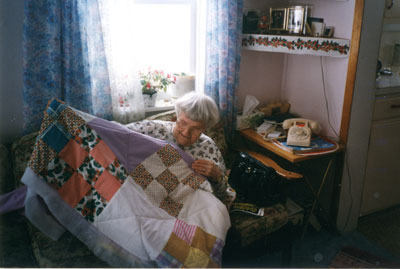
[[195, 113]]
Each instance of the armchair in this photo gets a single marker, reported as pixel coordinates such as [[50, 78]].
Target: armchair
[[252, 236]]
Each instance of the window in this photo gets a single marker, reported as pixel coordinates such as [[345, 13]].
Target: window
[[161, 34]]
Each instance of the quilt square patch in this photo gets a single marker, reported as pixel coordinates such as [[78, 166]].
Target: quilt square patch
[[168, 155], [90, 170], [216, 252], [74, 189], [203, 241], [53, 105], [196, 259], [70, 120], [195, 254], [154, 165], [180, 169], [103, 154], [141, 176], [165, 260], [171, 207], [73, 154], [177, 248], [107, 185], [57, 173], [86, 137], [117, 170], [41, 156], [46, 122], [184, 231], [181, 192], [91, 205], [156, 193], [55, 138], [193, 181], [168, 180]]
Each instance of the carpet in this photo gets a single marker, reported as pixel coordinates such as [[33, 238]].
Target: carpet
[[350, 257], [383, 228]]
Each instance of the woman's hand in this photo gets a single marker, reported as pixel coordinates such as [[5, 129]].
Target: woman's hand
[[207, 168]]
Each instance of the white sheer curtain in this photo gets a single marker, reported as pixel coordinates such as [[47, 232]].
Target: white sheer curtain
[[126, 91]]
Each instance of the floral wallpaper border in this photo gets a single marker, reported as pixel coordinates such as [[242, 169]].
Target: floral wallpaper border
[[299, 45]]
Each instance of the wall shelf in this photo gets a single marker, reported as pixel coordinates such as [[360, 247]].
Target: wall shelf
[[320, 46]]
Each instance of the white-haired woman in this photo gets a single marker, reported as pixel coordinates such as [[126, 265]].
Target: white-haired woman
[[195, 113]]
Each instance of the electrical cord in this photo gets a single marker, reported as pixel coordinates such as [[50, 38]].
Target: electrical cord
[[340, 141], [326, 99], [350, 193]]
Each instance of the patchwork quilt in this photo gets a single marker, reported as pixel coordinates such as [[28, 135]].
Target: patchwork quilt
[[132, 199]]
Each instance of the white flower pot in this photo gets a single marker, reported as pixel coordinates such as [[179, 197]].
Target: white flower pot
[[149, 101], [183, 85]]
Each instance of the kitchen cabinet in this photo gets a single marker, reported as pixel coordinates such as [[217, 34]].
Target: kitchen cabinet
[[382, 178]]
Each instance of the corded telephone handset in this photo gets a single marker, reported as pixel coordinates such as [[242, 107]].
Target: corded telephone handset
[[299, 133]]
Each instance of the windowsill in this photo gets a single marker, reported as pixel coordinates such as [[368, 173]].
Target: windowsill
[[164, 102], [161, 105]]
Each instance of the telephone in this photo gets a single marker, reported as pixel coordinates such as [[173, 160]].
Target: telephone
[[299, 133]]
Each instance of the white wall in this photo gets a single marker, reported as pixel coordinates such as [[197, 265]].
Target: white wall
[[11, 20], [260, 76], [306, 87], [260, 72]]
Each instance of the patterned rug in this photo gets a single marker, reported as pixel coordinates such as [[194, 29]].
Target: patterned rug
[[350, 257]]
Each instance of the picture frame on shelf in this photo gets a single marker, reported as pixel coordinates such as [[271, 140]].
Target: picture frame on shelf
[[296, 18], [251, 18], [278, 19], [317, 29], [328, 31], [309, 22], [263, 23]]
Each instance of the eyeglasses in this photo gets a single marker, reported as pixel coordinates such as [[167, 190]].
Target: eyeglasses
[[182, 124]]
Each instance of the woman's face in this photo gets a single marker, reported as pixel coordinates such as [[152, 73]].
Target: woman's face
[[186, 131]]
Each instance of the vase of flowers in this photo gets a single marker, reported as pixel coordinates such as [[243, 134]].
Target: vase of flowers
[[152, 82]]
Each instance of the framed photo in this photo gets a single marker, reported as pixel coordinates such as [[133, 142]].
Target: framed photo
[[317, 29], [296, 17], [309, 22], [250, 20], [328, 32], [278, 19]]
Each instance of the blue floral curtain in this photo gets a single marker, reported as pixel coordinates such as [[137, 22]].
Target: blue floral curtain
[[223, 47], [64, 58]]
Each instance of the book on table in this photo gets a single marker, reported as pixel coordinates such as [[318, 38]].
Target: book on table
[[318, 145]]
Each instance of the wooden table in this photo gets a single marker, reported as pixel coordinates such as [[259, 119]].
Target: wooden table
[[251, 134]]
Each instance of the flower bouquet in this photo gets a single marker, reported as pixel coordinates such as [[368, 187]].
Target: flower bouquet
[[153, 81]]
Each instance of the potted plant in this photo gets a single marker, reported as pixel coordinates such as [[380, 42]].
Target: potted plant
[[152, 82]]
